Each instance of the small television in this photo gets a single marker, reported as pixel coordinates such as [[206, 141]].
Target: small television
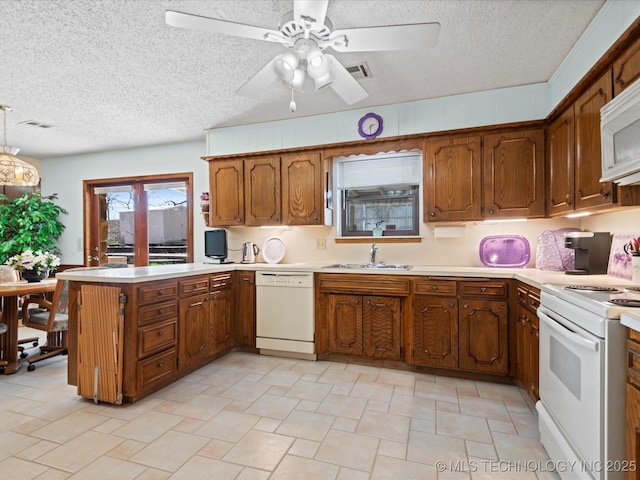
[[215, 245]]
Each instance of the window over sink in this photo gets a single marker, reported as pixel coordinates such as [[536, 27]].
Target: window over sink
[[379, 195]]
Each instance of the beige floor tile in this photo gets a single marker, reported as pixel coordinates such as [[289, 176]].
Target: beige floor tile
[[372, 391], [66, 428], [170, 451], [443, 406], [517, 448], [351, 474], [127, 449], [377, 406], [15, 468], [253, 474], [481, 450], [180, 391], [108, 468], [272, 406], [526, 424], [312, 391], [437, 391], [502, 427], [109, 425], [343, 406], [228, 426], [149, 426], [482, 407], [339, 377], [304, 448], [389, 448], [202, 407], [419, 407], [307, 406], [281, 378], [259, 450], [54, 474], [81, 451], [11, 420], [131, 411], [295, 468], [385, 426], [215, 449], [37, 450], [345, 424], [397, 378], [267, 424], [360, 455], [429, 448], [245, 391], [201, 468], [305, 425], [387, 467], [421, 425], [154, 474], [12, 443], [503, 393], [463, 426], [189, 425]]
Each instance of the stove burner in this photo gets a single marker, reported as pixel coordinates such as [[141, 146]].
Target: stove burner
[[592, 288], [625, 302]]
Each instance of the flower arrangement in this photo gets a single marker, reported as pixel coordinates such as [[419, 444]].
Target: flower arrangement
[[37, 261], [633, 247]]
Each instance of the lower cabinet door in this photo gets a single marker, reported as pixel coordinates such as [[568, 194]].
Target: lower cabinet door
[[483, 336], [344, 322], [435, 331], [194, 337], [221, 318], [381, 319], [633, 429]]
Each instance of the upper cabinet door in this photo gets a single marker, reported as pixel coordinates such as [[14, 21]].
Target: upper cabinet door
[[453, 179], [226, 182], [302, 189], [514, 174], [262, 188], [589, 191], [561, 154], [626, 69]]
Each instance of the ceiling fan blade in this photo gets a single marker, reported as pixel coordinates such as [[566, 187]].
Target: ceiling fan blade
[[215, 25], [393, 37], [310, 13], [260, 81], [344, 84]]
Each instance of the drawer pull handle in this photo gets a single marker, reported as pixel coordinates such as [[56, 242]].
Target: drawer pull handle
[[160, 292], [483, 289], [161, 333], [160, 364], [161, 311], [434, 287]]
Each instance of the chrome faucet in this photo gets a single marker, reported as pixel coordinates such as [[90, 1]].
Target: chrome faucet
[[372, 254]]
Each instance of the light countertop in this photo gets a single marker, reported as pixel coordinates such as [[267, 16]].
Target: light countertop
[[531, 276], [631, 319]]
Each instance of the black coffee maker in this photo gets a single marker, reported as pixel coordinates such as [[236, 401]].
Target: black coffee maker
[[591, 252]]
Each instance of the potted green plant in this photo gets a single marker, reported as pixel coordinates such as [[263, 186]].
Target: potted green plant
[[30, 222]]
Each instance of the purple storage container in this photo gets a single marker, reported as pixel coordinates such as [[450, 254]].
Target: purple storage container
[[506, 251]]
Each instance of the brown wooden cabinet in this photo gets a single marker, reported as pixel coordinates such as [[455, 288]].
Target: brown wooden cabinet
[[453, 179], [221, 310], [633, 402], [245, 309], [527, 327], [226, 193], [303, 190], [561, 161], [194, 331], [626, 69], [589, 191], [262, 191], [365, 325], [483, 322], [287, 189], [513, 166], [434, 323]]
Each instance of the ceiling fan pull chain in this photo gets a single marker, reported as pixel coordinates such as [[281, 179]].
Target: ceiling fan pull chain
[[292, 105]]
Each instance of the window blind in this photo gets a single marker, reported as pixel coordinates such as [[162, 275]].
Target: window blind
[[388, 170]]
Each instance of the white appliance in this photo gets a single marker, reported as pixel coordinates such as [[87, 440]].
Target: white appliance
[[620, 132], [581, 410], [284, 314]]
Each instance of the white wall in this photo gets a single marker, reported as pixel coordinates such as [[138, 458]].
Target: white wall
[[64, 176]]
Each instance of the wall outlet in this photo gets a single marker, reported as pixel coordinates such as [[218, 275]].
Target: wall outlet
[[321, 244]]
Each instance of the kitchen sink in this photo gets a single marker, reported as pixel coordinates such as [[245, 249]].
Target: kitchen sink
[[388, 266]]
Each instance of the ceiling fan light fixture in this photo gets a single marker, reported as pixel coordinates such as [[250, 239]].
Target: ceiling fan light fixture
[[323, 81], [318, 66], [298, 78]]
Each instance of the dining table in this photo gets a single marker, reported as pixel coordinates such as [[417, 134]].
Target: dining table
[[10, 293]]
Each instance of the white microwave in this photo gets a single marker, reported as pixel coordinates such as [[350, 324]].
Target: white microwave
[[620, 134]]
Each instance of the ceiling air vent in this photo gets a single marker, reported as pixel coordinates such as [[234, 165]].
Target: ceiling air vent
[[360, 71], [35, 123]]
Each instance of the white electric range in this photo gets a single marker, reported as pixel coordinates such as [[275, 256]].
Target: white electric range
[[582, 378]]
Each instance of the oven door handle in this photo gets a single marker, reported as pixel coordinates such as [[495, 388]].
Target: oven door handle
[[562, 330]]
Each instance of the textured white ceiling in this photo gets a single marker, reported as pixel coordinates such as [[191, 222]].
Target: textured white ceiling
[[110, 74]]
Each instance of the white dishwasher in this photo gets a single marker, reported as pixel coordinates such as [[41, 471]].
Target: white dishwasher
[[284, 314]]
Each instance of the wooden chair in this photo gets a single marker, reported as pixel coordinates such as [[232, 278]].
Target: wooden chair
[[51, 317], [3, 330]]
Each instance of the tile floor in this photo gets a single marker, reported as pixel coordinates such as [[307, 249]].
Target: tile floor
[[252, 417]]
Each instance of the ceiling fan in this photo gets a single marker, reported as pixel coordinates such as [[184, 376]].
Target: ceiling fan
[[306, 32]]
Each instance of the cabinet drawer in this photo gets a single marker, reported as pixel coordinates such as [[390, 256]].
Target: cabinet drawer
[[221, 281], [365, 284], [529, 299], [155, 368], [483, 289], [435, 287], [193, 286], [635, 336], [157, 313], [154, 338], [157, 292], [633, 362]]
